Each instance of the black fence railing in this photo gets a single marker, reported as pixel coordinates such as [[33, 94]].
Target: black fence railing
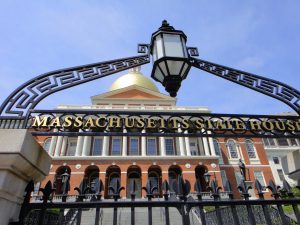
[[180, 207]]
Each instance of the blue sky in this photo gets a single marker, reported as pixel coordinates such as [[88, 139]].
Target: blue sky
[[257, 36]]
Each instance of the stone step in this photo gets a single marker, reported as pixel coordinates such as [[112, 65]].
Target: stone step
[[141, 216]]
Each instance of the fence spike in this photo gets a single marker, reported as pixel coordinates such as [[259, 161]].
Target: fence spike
[[244, 188], [272, 186], [165, 187], [47, 191], [259, 188]]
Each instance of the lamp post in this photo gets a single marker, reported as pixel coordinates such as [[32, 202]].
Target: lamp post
[[65, 182], [170, 57]]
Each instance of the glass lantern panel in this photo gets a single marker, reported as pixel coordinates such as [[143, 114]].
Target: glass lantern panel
[[158, 44], [163, 68], [158, 75], [173, 45], [174, 67], [185, 67]]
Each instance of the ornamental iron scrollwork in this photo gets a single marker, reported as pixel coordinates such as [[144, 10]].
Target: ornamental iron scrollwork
[[272, 88], [27, 96]]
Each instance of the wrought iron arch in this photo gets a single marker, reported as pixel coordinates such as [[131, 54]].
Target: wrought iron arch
[[272, 88], [27, 96]]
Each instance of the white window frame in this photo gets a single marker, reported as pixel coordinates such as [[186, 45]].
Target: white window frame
[[101, 149], [220, 150], [237, 150], [138, 145], [173, 144], [111, 149], [155, 144], [71, 140], [194, 140]]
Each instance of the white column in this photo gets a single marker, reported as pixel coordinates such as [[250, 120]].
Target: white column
[[64, 146], [53, 143], [143, 143], [79, 145], [87, 141], [58, 145], [105, 145], [187, 144], [205, 144], [162, 146], [181, 143], [211, 145], [201, 146], [124, 144]]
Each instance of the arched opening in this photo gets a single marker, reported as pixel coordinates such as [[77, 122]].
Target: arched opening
[[91, 174], [154, 176], [134, 174], [174, 173], [199, 173], [113, 174], [57, 183]]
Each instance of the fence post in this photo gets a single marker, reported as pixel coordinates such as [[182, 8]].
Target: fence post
[[228, 188], [215, 189], [276, 195], [260, 193], [165, 187], [97, 189], [291, 195], [244, 188], [182, 189], [24, 210], [198, 189], [47, 191]]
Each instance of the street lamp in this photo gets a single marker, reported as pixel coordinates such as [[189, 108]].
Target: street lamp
[[65, 182], [171, 62]]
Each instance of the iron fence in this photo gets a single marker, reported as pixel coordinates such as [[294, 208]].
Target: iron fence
[[181, 207]]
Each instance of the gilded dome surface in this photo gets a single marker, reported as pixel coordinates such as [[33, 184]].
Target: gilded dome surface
[[134, 77]]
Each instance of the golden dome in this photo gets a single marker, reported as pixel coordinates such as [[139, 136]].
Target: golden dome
[[134, 77]]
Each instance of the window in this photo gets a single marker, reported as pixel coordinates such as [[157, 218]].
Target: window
[[47, 143], [280, 174], [134, 146], [231, 145], [269, 142], [293, 142], [97, 146], [72, 147], [250, 149], [258, 175], [194, 146], [116, 146], [238, 177], [276, 160], [217, 147], [151, 146], [169, 145], [223, 177], [282, 142]]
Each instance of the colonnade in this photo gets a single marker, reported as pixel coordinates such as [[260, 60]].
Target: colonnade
[[59, 145]]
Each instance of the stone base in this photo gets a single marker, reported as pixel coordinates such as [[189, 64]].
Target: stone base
[[21, 159]]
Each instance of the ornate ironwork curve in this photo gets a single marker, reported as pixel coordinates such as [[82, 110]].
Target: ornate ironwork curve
[[273, 88], [27, 96]]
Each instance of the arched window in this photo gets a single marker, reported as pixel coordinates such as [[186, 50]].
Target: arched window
[[46, 144], [232, 148], [217, 147], [250, 149]]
